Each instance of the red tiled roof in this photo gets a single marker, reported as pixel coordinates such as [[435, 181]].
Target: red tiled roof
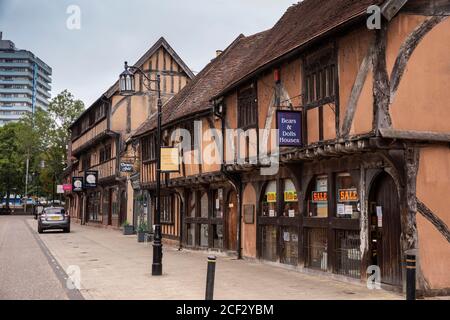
[[301, 24], [196, 95]]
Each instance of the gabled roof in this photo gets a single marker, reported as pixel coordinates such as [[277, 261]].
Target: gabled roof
[[196, 96], [115, 87], [160, 43]]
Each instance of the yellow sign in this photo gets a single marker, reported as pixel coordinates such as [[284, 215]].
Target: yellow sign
[[170, 159], [290, 196], [271, 197]]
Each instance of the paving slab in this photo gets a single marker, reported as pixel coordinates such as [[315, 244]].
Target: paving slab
[[114, 266]]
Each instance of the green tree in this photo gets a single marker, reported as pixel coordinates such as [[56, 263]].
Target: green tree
[[12, 161], [44, 137]]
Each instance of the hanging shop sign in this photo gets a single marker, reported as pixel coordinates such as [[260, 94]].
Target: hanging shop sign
[[348, 195], [318, 196], [67, 187], [271, 197], [90, 179], [290, 196], [77, 184], [126, 167], [289, 125], [170, 159]]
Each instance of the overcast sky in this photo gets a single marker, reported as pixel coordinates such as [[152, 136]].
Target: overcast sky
[[87, 61]]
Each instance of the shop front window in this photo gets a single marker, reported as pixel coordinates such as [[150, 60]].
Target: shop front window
[[190, 234], [269, 203], [348, 253], [218, 203], [204, 235], [347, 197], [115, 204], [94, 207], [289, 247], [269, 243], [317, 204], [316, 249], [218, 236], [204, 205], [291, 207], [106, 204]]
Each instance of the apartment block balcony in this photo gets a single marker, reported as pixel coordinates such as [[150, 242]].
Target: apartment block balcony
[[13, 90]]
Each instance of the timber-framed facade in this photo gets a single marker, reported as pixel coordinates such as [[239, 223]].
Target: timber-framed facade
[[364, 187], [100, 143]]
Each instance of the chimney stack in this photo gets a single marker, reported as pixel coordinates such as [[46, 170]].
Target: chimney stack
[[218, 53]]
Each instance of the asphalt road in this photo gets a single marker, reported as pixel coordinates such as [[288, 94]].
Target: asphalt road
[[27, 269]]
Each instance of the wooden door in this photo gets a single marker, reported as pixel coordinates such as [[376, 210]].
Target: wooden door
[[386, 230], [231, 222]]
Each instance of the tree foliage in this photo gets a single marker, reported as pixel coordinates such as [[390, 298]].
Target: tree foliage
[[42, 138]]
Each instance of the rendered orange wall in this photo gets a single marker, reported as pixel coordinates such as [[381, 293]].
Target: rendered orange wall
[[433, 189], [422, 100], [249, 230], [353, 48]]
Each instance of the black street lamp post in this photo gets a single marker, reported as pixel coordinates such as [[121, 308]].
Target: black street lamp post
[[127, 88]]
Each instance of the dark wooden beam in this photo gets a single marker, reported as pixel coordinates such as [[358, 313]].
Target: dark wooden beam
[[415, 135], [407, 50], [433, 219], [357, 88]]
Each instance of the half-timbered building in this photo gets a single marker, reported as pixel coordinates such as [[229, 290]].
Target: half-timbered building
[[100, 140], [368, 182]]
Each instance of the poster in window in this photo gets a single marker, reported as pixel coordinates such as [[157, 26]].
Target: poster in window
[[348, 195], [340, 209], [290, 196], [271, 197]]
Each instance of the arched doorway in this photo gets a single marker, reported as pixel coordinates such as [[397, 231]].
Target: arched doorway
[[231, 222], [385, 229]]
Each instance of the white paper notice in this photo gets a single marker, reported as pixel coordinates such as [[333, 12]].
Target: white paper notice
[[348, 210], [291, 213], [217, 203], [340, 209], [272, 213], [286, 237], [380, 216]]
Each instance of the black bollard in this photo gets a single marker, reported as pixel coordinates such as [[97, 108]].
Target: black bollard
[[410, 276], [210, 278]]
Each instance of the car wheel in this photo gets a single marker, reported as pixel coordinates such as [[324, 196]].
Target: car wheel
[[67, 230], [40, 230]]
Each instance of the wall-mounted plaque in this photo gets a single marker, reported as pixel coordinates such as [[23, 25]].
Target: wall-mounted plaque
[[249, 214]]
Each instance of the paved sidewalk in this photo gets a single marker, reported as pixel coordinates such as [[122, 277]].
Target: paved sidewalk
[[114, 266]]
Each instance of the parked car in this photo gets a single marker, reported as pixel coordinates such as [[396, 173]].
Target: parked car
[[54, 218]]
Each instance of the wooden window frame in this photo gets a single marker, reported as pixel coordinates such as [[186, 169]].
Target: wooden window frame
[[149, 148], [247, 107], [167, 202], [321, 84]]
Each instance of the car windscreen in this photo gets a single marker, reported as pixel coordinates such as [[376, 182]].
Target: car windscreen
[[54, 211]]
